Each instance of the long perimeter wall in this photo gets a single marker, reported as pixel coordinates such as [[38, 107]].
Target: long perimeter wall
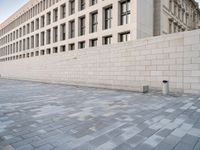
[[126, 66]]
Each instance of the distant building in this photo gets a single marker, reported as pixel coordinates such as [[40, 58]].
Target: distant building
[[172, 16]]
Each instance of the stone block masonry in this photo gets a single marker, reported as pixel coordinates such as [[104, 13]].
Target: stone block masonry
[[126, 66]]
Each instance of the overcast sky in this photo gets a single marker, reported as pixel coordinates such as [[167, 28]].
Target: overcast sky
[[8, 7]]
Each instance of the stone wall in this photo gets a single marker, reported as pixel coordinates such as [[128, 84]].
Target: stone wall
[[125, 66]]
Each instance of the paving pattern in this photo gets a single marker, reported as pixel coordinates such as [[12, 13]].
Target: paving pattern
[[37, 116]]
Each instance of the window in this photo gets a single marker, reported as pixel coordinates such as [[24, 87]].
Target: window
[[170, 26], [55, 34], [93, 42], [32, 41], [71, 7], [62, 11], [48, 18], [81, 45], [94, 22], [108, 17], [48, 36], [72, 47], [62, 48], [32, 54], [55, 14], [55, 50], [170, 5], [72, 29], [123, 37], [42, 21], [37, 53], [125, 12], [48, 51], [93, 2], [28, 28], [62, 32], [82, 25], [32, 26], [42, 38], [42, 52], [24, 31], [107, 40], [37, 24], [81, 5], [28, 43], [37, 40], [24, 44]]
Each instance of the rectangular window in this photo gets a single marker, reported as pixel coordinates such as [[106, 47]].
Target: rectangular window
[[48, 38], [124, 37], [63, 11], [42, 21], [82, 25], [32, 26], [32, 41], [28, 43], [62, 32], [24, 44], [55, 50], [37, 24], [107, 40], [170, 26], [81, 5], [28, 28], [62, 48], [81, 45], [71, 47], [125, 12], [48, 51], [72, 29], [24, 31], [42, 38], [37, 40], [93, 2], [37, 53], [55, 34], [55, 14], [93, 42], [108, 17], [94, 22], [71, 7], [48, 18], [42, 52]]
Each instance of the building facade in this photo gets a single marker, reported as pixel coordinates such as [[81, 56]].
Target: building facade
[[43, 27], [171, 16]]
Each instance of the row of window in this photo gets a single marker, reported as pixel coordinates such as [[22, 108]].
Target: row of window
[[41, 6], [181, 11], [123, 37], [40, 22], [31, 43]]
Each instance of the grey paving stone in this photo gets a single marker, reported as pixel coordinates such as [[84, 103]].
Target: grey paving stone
[[183, 146], [60, 117], [147, 132], [25, 147], [123, 146], [164, 132], [197, 146], [189, 139], [164, 146]]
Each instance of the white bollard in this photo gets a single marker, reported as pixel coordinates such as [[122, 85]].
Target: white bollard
[[165, 89]]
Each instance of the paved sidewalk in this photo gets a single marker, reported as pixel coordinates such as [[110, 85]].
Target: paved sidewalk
[[55, 117]]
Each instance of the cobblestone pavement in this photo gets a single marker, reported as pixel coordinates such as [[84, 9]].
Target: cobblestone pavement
[[56, 117]]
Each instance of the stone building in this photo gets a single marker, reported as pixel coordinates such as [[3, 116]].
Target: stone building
[[172, 16], [52, 26], [43, 27]]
